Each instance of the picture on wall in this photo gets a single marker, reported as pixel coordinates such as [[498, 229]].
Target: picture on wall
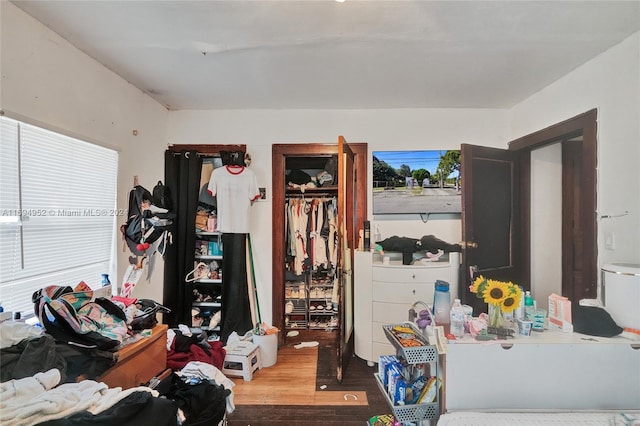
[[416, 182]]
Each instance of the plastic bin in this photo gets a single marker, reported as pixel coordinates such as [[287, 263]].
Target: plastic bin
[[268, 348]]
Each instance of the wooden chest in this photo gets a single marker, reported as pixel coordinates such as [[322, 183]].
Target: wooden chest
[[139, 361]]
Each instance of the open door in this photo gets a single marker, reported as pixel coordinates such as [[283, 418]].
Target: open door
[[490, 218], [346, 238]]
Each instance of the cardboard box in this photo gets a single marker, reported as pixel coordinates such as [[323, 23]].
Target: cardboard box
[[560, 313]]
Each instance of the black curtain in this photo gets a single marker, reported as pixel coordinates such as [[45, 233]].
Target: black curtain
[[182, 178], [236, 310]]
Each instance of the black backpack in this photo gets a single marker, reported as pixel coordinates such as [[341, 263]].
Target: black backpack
[[73, 316], [162, 196], [143, 227]]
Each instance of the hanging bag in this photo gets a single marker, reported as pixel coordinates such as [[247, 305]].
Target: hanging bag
[[142, 227], [162, 196]]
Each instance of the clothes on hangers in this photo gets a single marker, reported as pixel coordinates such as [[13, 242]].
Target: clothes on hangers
[[311, 233]]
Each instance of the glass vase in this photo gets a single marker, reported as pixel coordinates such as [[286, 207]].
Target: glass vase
[[496, 317]]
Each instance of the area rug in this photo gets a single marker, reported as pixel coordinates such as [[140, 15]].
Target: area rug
[[292, 381]]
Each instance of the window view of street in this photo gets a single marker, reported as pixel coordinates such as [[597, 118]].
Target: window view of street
[[410, 182]]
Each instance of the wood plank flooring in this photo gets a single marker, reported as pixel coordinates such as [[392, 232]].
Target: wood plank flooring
[[290, 392], [295, 369]]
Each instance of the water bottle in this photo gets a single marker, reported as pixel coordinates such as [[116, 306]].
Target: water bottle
[[457, 319], [518, 313], [528, 305], [442, 304], [105, 280]]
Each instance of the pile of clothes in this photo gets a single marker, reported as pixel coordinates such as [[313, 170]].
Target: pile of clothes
[[48, 382], [185, 345]]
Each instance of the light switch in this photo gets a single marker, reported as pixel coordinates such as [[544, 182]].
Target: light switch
[[610, 240]]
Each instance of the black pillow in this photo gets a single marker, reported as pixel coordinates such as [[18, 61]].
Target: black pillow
[[594, 321]]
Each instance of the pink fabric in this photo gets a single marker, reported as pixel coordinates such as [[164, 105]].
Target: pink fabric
[[125, 300]]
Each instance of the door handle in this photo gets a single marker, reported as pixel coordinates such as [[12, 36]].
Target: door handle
[[468, 244]]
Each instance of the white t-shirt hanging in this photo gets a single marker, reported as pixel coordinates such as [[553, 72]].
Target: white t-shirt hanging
[[235, 188]]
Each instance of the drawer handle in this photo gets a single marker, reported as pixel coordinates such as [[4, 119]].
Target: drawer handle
[[414, 291], [413, 276]]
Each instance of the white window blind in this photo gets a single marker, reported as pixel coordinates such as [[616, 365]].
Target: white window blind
[[57, 212]]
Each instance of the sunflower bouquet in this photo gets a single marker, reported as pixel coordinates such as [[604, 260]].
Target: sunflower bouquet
[[502, 296]]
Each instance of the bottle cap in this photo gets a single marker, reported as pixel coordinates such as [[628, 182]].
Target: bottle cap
[[442, 285]]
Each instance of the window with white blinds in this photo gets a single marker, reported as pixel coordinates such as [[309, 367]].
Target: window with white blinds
[[57, 212]]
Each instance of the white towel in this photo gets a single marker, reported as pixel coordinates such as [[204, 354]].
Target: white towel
[[56, 403], [37, 399], [13, 332], [15, 392]]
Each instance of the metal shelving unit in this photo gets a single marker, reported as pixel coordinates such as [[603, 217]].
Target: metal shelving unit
[[209, 288], [424, 413]]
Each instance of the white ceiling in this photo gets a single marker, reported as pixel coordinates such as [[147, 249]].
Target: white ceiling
[[324, 54]]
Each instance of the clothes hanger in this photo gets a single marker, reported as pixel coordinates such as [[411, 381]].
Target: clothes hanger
[[203, 272]]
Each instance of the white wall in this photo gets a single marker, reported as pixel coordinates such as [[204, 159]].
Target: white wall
[[48, 82], [610, 83], [380, 129], [546, 240]]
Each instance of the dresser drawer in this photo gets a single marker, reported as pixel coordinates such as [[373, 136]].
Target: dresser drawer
[[407, 293], [390, 313], [399, 274]]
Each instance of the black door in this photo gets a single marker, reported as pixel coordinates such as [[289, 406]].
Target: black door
[[490, 218]]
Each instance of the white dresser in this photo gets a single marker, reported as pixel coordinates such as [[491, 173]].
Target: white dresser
[[550, 370], [384, 294]]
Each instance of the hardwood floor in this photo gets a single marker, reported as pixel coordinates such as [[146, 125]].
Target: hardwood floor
[[358, 380]]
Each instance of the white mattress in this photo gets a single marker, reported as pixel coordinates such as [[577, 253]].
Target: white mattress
[[474, 418]]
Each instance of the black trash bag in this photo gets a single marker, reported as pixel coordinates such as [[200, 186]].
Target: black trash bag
[[298, 177]]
